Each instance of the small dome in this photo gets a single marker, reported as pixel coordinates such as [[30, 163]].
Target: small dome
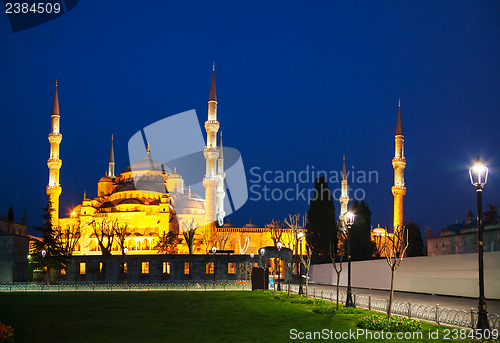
[[378, 231], [228, 224], [174, 175], [250, 225], [106, 179]]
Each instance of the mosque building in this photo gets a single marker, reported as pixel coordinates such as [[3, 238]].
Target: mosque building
[[152, 207]]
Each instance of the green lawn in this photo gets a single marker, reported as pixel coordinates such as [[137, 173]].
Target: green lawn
[[216, 316]]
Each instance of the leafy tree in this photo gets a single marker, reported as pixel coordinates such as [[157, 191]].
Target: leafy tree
[[321, 224], [415, 243], [362, 247], [55, 255], [167, 243], [492, 214]]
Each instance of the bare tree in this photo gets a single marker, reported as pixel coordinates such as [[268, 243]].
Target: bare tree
[[222, 237], [188, 230], [341, 236], [395, 249], [294, 224], [104, 232], [276, 229], [246, 244], [69, 237], [209, 237], [167, 244], [122, 231], [306, 261]]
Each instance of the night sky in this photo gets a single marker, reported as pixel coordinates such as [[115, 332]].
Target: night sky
[[299, 84]]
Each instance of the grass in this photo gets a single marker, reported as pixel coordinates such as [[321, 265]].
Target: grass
[[216, 316]]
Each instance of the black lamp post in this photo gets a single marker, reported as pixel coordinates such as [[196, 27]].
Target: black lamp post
[[43, 253], [214, 250], [478, 176], [299, 269], [279, 246], [252, 255], [262, 252], [349, 220]]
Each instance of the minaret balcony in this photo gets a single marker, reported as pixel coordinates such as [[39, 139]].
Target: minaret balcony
[[54, 163], [55, 138], [212, 125]]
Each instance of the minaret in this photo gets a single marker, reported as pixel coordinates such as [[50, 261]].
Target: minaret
[[111, 167], [221, 192], [211, 180], [344, 197], [54, 162], [399, 163]]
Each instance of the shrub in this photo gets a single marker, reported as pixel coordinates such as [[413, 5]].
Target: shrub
[[393, 324], [6, 333]]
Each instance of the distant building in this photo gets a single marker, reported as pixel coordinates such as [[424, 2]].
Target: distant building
[[14, 248], [462, 238]]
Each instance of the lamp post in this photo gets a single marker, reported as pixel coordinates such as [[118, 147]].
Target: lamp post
[[349, 220], [279, 246], [299, 268], [252, 255], [214, 250], [478, 176], [262, 252]]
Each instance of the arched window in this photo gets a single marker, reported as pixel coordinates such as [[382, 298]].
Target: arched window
[[145, 244], [139, 245], [131, 244]]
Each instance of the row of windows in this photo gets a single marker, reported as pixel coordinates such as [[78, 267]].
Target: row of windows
[[166, 267]]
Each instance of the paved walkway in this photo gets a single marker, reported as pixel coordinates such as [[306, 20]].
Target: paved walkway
[[417, 298]]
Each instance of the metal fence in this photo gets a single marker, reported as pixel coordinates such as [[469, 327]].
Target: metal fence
[[436, 314], [96, 287]]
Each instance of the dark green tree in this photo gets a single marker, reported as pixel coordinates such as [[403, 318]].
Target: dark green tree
[[321, 225], [415, 242], [10, 214], [362, 247], [55, 255]]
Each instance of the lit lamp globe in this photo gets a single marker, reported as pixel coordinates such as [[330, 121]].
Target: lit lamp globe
[[349, 219], [478, 173], [44, 253], [252, 255], [279, 246], [262, 251], [125, 251], [214, 249]]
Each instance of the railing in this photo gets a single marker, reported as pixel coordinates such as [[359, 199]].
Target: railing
[[436, 314], [95, 287]]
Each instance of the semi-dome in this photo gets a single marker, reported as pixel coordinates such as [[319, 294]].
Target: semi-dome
[[131, 201]]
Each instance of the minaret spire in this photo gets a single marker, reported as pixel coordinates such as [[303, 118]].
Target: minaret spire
[[399, 125], [212, 178], [344, 197], [54, 162], [111, 167], [399, 164]]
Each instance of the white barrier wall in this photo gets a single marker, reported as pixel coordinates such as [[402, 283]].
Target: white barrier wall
[[445, 274]]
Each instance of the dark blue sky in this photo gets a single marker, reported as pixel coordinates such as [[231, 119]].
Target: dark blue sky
[[298, 83]]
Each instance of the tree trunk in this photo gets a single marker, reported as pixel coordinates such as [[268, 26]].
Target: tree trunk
[[389, 308], [307, 282], [338, 281]]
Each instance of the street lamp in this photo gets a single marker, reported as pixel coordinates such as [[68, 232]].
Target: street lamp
[[43, 253], [349, 220], [262, 251], [299, 269], [252, 255], [478, 176], [279, 246], [214, 250]]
